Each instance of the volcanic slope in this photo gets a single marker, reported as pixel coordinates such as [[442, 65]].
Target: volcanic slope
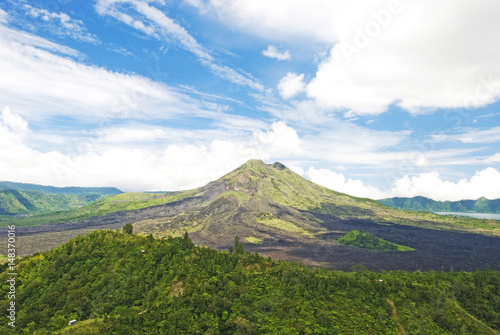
[[266, 202], [280, 214]]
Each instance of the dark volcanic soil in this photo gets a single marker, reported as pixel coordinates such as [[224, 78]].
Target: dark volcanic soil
[[435, 249]]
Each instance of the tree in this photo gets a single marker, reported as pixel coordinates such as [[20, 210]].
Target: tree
[[238, 246], [187, 240], [128, 229]]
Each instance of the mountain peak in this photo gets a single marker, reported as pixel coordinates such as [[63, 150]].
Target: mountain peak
[[278, 165], [253, 163], [258, 164]]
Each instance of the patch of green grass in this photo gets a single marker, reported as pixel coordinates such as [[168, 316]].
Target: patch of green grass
[[273, 221], [365, 240], [254, 240], [81, 327]]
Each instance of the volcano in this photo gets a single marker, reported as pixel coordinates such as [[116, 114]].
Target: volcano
[[280, 214]]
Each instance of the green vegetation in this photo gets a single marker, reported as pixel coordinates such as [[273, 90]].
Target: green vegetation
[[128, 229], [110, 286], [90, 326], [254, 240], [3, 258], [481, 205], [365, 240], [59, 190], [282, 186], [14, 202], [273, 221], [119, 202]]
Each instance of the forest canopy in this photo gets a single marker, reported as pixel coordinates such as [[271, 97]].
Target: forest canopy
[[118, 283]]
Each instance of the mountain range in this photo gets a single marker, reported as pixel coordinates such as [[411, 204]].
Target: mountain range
[[481, 205], [280, 214], [59, 190], [29, 199]]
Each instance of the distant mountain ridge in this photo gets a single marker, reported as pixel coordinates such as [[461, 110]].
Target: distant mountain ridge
[[29, 199], [13, 202], [59, 190], [481, 205]]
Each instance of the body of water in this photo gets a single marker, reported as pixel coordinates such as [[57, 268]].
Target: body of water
[[492, 216]]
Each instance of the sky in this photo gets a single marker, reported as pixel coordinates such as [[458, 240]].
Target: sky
[[371, 98]]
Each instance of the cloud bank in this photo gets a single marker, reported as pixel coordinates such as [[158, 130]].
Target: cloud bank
[[186, 166], [418, 55]]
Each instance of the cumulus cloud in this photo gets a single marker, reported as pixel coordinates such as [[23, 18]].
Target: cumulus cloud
[[281, 141], [277, 19], [419, 55], [14, 121], [338, 182], [291, 85], [177, 166], [13, 130], [485, 183], [272, 52]]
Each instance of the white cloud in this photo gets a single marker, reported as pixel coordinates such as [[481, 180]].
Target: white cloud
[[282, 140], [183, 166], [338, 182], [14, 121], [297, 169], [494, 159], [276, 19], [485, 183], [291, 85], [234, 76], [158, 22], [272, 52], [61, 24], [42, 84], [152, 21], [175, 167], [4, 17], [13, 130], [419, 55], [472, 135], [11, 37]]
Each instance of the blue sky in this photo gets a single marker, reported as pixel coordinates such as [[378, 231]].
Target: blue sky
[[374, 98]]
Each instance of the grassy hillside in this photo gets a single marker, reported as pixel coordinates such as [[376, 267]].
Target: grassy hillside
[[14, 202], [58, 190], [481, 205], [115, 283], [282, 186], [119, 202]]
